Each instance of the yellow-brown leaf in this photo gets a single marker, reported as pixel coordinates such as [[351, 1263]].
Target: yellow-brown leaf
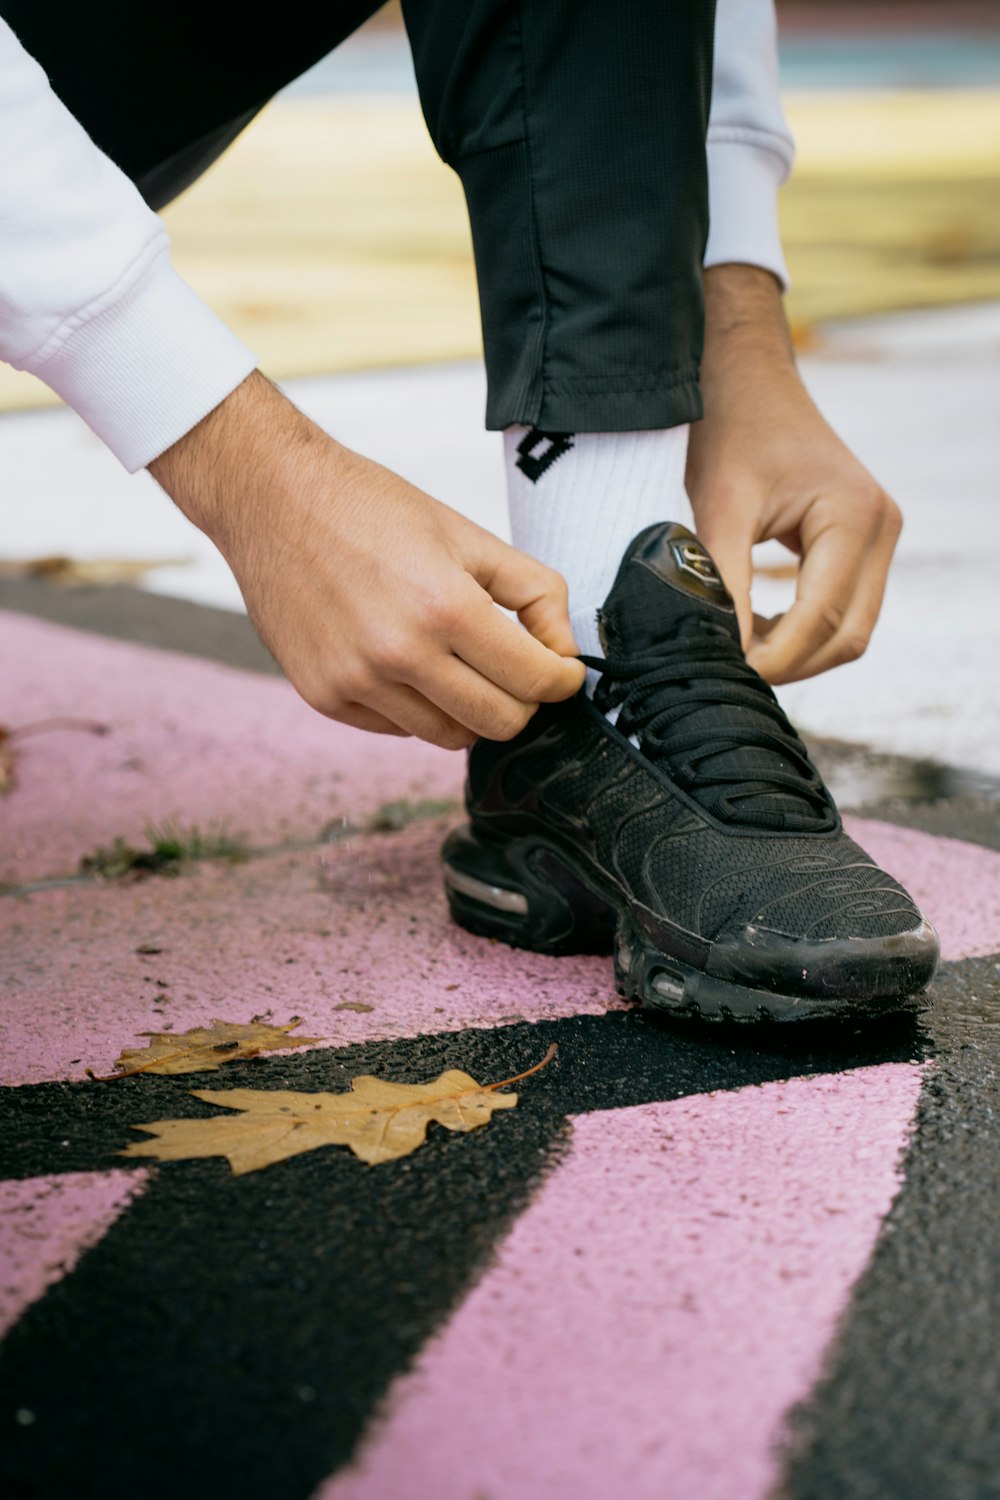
[[78, 572], [379, 1121], [6, 762], [203, 1049]]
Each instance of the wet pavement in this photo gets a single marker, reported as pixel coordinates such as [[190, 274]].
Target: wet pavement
[[696, 1263]]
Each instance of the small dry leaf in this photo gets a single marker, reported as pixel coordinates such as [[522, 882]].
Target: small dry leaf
[[204, 1048], [6, 762], [379, 1121], [75, 572], [41, 726]]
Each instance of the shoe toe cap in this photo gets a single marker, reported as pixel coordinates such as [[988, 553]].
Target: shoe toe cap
[[896, 963]]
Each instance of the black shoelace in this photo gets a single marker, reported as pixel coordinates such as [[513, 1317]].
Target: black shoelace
[[696, 704]]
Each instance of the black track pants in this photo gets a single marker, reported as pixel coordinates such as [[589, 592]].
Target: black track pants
[[577, 128]]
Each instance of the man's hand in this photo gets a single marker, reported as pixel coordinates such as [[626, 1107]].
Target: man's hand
[[378, 601], [763, 463]]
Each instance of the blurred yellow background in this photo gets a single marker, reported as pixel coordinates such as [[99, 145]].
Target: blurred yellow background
[[330, 237]]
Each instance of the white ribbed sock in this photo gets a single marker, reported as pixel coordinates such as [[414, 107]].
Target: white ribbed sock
[[576, 501]]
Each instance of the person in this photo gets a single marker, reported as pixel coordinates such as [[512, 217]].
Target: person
[[620, 169]]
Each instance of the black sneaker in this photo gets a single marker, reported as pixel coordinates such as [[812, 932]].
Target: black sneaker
[[693, 837]]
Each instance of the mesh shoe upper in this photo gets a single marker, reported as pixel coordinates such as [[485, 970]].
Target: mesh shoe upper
[[716, 819]]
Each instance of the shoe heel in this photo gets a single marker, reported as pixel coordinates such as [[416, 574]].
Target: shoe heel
[[521, 891]]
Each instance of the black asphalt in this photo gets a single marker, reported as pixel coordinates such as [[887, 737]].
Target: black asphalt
[[911, 1407], [129, 614], [234, 1334]]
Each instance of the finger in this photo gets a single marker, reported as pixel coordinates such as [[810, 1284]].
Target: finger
[[763, 625], [827, 582], [537, 594], [851, 640], [731, 551], [511, 658], [467, 697], [403, 705]]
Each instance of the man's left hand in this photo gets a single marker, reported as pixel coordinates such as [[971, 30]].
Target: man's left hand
[[762, 464]]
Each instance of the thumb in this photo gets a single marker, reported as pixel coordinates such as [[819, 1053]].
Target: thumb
[[536, 593], [731, 551]]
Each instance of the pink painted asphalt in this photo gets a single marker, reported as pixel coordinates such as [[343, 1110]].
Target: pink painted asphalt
[[48, 1222], [355, 938], [265, 936], [657, 1309], [189, 741], [358, 924]]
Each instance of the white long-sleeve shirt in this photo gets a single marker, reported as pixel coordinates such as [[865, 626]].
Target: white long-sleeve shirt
[[750, 148], [90, 303]]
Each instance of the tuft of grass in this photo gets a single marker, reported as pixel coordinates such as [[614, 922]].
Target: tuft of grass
[[167, 850], [391, 817]]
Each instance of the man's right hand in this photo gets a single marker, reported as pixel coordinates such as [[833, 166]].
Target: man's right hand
[[377, 601]]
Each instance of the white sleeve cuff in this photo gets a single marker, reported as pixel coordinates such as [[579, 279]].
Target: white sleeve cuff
[[145, 367], [743, 180]]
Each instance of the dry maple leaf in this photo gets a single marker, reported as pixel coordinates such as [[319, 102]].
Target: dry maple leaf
[[204, 1048], [379, 1121]]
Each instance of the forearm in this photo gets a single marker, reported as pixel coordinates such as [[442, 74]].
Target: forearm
[[744, 320]]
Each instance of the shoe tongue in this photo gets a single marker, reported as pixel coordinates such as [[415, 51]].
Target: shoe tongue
[[668, 589], [667, 583]]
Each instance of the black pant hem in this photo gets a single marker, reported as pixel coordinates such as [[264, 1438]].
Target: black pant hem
[[633, 409]]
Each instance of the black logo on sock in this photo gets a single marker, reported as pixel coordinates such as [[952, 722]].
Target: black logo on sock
[[553, 445]]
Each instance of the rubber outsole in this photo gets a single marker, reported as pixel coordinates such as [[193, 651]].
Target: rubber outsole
[[529, 893]]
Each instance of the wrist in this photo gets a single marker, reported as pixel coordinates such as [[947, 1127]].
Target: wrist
[[744, 322], [194, 470], [221, 473]]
